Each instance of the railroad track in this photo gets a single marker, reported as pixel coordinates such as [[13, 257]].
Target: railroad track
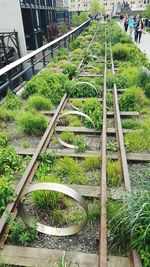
[[101, 191]]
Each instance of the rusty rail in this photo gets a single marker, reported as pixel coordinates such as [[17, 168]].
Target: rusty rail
[[28, 174]]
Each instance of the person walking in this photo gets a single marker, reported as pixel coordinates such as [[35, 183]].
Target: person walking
[[126, 23], [140, 27], [131, 25]]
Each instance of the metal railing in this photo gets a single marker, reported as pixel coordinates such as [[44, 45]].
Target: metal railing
[[24, 68]]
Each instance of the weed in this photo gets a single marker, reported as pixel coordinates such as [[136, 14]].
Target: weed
[[11, 101], [92, 108], [112, 146], [3, 139], [109, 101], [138, 140], [80, 145], [91, 163], [114, 173], [74, 121], [32, 123], [39, 102], [6, 192], [77, 103], [70, 70], [25, 144], [20, 233], [75, 216], [6, 115]]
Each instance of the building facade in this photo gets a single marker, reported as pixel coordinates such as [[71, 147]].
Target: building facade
[[79, 5]]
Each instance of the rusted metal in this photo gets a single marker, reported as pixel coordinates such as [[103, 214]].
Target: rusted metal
[[103, 194], [29, 173], [122, 150]]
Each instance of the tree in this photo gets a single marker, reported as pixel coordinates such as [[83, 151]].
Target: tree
[[96, 7], [147, 11]]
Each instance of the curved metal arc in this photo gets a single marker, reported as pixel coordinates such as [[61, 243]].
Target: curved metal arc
[[45, 229], [74, 113], [87, 84]]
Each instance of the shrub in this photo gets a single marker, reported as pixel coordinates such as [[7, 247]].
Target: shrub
[[70, 70], [6, 193], [92, 108], [62, 53], [34, 86], [3, 139], [132, 99], [32, 123], [121, 51], [114, 173], [81, 90], [130, 72], [45, 199], [20, 233], [39, 102], [91, 163], [69, 169], [120, 80]]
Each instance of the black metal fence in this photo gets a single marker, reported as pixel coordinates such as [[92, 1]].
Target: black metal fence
[[35, 61]]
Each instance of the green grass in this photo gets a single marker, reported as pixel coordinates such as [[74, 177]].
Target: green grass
[[39, 103], [114, 173], [131, 124], [67, 137], [138, 140], [91, 163], [94, 211]]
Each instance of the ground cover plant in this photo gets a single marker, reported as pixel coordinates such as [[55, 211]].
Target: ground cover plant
[[130, 227], [114, 173]]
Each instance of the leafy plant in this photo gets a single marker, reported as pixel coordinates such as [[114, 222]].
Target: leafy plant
[[6, 115], [39, 102], [80, 144], [62, 53], [3, 139], [91, 163], [77, 103], [6, 192], [70, 70], [92, 108], [20, 233], [138, 140], [33, 123], [112, 146], [114, 173]]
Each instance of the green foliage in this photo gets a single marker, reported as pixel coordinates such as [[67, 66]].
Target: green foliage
[[79, 19], [94, 211], [112, 146], [129, 71], [132, 99], [3, 139], [6, 115], [109, 101], [33, 123], [10, 162], [6, 193], [20, 233], [80, 144], [92, 108], [77, 103], [62, 53], [91, 163], [11, 101], [114, 173], [131, 124], [145, 256], [130, 228], [39, 102], [68, 168], [147, 11], [138, 140], [97, 7], [70, 70], [74, 121], [79, 90], [120, 80], [67, 137], [45, 199]]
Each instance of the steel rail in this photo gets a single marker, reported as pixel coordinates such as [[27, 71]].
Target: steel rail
[[103, 193], [28, 174], [119, 132]]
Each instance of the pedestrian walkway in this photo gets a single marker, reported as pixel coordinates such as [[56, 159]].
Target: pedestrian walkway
[[144, 46]]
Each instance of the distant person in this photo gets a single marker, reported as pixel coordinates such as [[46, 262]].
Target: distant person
[[131, 25], [140, 27], [126, 23], [121, 19]]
